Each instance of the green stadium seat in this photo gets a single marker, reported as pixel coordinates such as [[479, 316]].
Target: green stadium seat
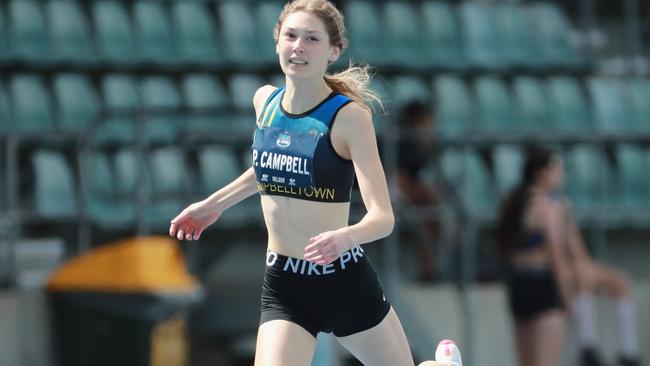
[[567, 103], [196, 32], [508, 162], [514, 35], [639, 94], [31, 104], [494, 104], [201, 92], [610, 111], [441, 35], [551, 30], [365, 31], [403, 36], [482, 44], [589, 182], [154, 32], [238, 30], [408, 88], [160, 93], [455, 114], [633, 167], [170, 187], [100, 201], [69, 31], [218, 167], [531, 102], [465, 172], [77, 102], [4, 42], [242, 89], [54, 189], [114, 31], [28, 29], [120, 97], [266, 16], [5, 113]]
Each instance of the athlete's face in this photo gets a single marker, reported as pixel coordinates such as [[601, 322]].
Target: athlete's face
[[304, 46], [553, 174]]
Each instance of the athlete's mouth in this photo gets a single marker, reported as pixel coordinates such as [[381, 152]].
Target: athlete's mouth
[[297, 61]]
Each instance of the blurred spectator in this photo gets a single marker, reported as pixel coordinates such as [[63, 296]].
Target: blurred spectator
[[415, 153], [551, 273]]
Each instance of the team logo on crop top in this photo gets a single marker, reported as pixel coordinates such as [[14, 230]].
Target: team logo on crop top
[[284, 140]]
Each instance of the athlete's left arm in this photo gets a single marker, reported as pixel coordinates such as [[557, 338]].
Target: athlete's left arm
[[353, 136]]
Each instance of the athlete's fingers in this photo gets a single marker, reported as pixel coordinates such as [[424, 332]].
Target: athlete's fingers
[[197, 234], [172, 229], [181, 234]]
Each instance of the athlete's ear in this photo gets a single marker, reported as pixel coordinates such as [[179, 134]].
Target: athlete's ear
[[335, 53]]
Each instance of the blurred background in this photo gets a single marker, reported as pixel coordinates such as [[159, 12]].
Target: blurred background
[[116, 114]]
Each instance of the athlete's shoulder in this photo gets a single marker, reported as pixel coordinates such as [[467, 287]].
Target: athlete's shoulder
[[261, 95], [354, 115]]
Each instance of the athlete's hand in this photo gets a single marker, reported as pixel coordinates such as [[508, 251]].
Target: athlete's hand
[[191, 222], [325, 247]]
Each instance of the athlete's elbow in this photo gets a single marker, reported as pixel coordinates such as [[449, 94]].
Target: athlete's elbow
[[388, 223]]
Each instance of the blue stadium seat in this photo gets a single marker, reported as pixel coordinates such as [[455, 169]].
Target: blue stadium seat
[[639, 94], [365, 31], [508, 162], [441, 35], [160, 93], [201, 92], [238, 30], [154, 32], [77, 102], [495, 104], [31, 104], [54, 190], [100, 201], [28, 29], [114, 31], [120, 96], [403, 36], [266, 16], [567, 103], [69, 31], [610, 110], [5, 113], [531, 102], [455, 114], [197, 36], [514, 35], [551, 30], [482, 44], [633, 166]]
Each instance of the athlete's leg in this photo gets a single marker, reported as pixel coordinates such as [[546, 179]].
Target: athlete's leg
[[382, 345], [524, 342], [281, 343], [548, 337]]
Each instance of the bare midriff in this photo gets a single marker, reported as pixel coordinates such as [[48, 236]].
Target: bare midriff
[[291, 222]]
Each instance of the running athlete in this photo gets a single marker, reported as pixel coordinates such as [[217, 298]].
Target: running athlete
[[313, 136], [550, 271]]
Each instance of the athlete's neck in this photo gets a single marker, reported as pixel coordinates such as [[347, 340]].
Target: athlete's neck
[[300, 97]]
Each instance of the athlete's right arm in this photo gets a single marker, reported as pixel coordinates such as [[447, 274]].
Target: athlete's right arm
[[191, 222]]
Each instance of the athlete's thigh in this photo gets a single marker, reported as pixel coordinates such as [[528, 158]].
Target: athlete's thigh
[[548, 338], [281, 343], [382, 345]]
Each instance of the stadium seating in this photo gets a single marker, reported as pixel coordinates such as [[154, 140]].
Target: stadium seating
[[78, 104], [6, 124], [455, 107], [238, 30], [441, 36], [69, 30], [154, 32], [494, 104], [365, 29], [196, 33], [404, 37], [121, 97], [28, 30], [32, 109], [115, 38], [568, 104], [54, 196], [531, 102], [639, 94], [161, 99], [202, 92], [266, 16], [611, 114], [508, 161]]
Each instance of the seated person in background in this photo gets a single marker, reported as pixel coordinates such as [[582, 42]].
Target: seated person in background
[[550, 273], [415, 152]]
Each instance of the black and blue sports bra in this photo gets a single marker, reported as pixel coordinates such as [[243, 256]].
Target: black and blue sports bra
[[293, 156]]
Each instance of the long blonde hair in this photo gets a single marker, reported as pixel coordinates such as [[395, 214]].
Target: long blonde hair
[[352, 82]]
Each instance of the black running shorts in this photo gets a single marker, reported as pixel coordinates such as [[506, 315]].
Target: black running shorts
[[343, 297]]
